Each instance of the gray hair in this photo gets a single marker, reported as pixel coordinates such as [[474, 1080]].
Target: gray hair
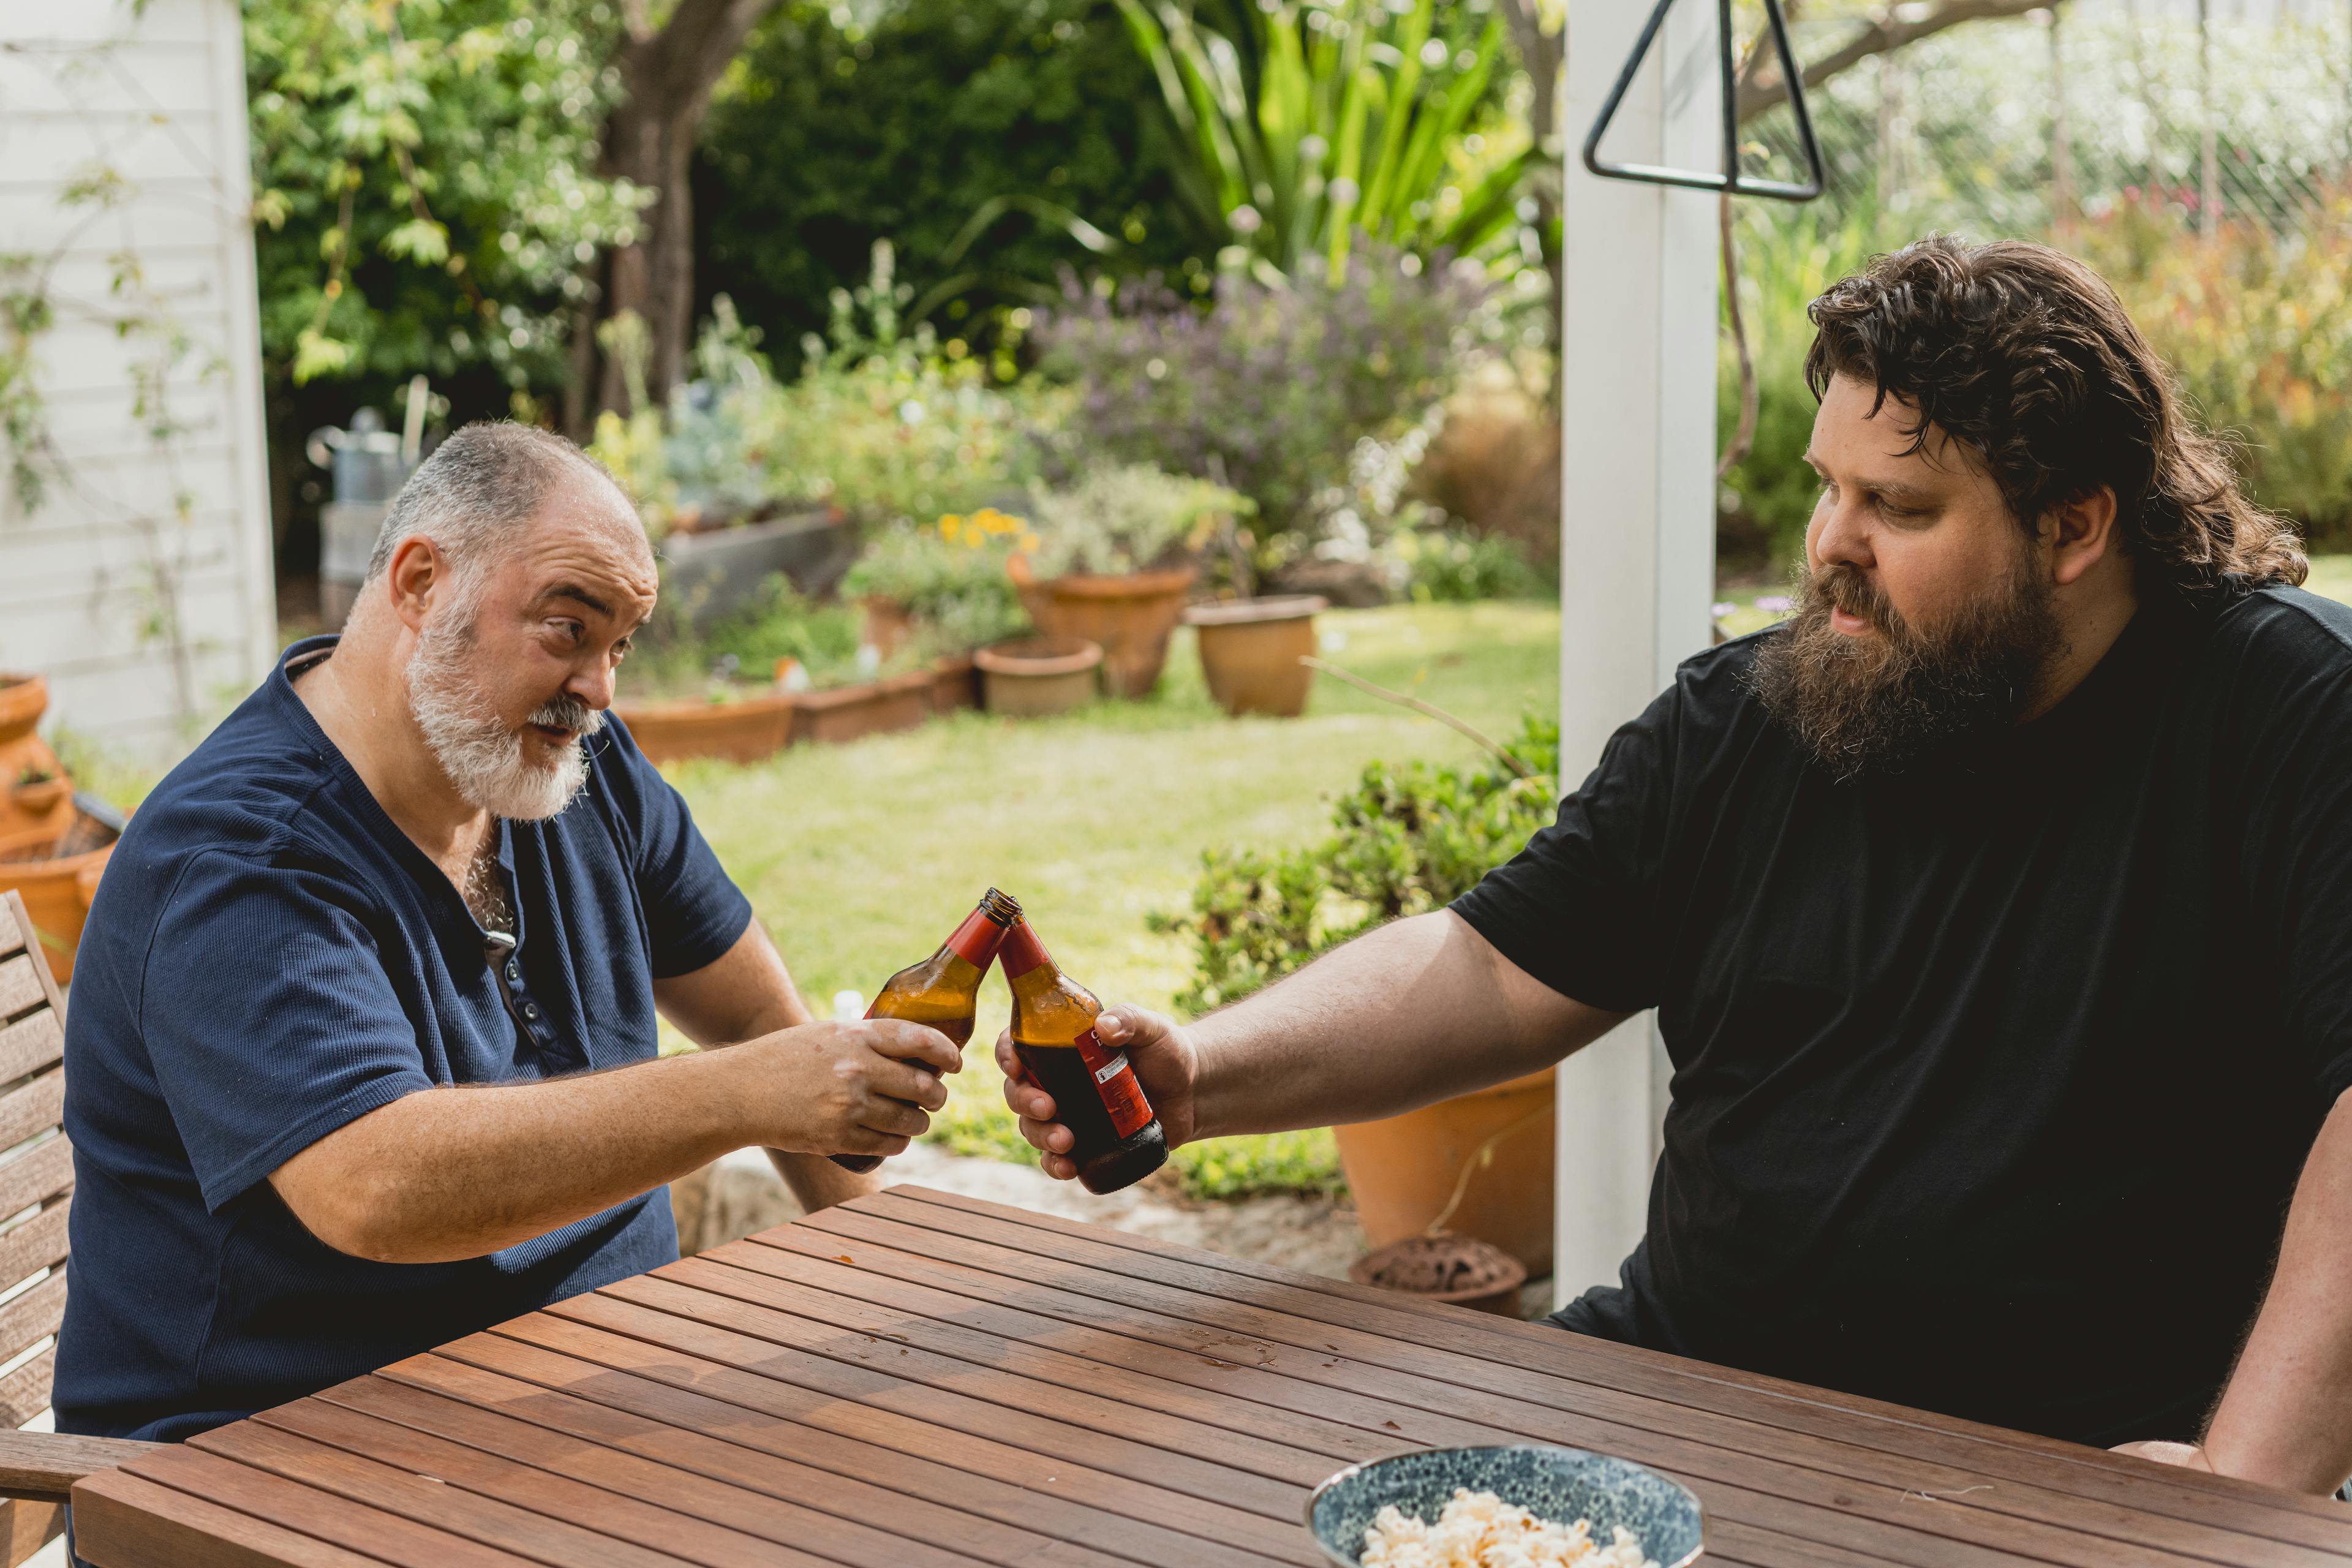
[[487, 480]]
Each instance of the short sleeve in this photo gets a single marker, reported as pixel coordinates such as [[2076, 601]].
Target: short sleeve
[[1574, 909], [268, 1018], [2296, 791], [694, 911]]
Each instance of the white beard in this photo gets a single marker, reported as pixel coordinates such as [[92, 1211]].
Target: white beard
[[484, 759]]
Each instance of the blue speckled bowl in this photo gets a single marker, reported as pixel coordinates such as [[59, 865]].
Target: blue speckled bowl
[[1563, 1484]]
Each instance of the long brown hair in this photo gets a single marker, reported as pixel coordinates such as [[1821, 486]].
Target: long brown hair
[[2025, 355]]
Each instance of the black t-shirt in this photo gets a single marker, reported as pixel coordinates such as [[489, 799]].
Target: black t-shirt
[[1991, 1079]]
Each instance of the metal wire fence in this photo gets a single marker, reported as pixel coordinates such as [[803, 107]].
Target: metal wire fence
[[2006, 127]]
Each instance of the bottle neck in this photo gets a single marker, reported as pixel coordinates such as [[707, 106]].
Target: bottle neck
[[977, 940], [1021, 951]]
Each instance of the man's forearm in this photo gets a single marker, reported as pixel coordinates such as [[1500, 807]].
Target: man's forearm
[[1416, 1011], [2286, 1417], [455, 1173]]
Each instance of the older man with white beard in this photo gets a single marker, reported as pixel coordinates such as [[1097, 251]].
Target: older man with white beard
[[360, 1056]]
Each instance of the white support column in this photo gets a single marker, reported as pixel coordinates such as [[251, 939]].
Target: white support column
[[1637, 518]]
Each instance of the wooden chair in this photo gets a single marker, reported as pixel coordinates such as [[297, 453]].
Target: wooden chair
[[37, 1469]]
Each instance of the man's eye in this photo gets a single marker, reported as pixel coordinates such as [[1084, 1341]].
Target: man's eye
[[621, 650]]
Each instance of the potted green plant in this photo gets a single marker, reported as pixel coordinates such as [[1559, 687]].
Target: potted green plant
[[943, 589], [1114, 562], [1404, 841]]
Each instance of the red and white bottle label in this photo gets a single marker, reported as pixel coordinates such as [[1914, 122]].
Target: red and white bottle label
[[1122, 1096]]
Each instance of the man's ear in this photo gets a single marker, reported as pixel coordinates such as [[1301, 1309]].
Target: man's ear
[[416, 571], [2080, 533]]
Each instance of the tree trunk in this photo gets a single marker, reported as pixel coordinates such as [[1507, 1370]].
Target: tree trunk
[[1543, 52], [667, 75]]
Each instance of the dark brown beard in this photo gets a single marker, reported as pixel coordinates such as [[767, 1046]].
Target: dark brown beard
[[1876, 704]]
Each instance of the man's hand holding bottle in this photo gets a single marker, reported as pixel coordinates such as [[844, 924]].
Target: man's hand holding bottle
[[1164, 1060]]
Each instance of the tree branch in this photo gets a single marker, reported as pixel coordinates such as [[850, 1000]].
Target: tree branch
[[1881, 36]]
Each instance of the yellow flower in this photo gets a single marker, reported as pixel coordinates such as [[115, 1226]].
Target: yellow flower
[[950, 526]]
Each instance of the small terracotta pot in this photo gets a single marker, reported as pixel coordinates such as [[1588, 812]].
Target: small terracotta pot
[[1459, 1270], [744, 731], [852, 713], [1250, 651], [955, 683], [887, 624], [23, 699], [1036, 676], [1403, 1170], [1130, 616]]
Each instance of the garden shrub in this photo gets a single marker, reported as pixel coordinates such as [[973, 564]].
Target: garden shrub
[[1449, 567], [1130, 518], [1270, 390], [1405, 840]]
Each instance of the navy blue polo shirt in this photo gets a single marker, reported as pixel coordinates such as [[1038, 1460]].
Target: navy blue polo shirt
[[270, 958]]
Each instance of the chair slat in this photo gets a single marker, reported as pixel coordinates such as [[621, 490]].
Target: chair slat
[[40, 1243], [39, 1173], [16, 936], [29, 1319], [25, 1393], [27, 1527], [31, 1044], [20, 988], [45, 1465], [36, 1108]]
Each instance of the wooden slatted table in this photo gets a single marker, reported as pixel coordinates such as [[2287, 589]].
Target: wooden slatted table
[[924, 1380]]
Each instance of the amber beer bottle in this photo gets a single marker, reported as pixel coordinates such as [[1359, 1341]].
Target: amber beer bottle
[[943, 990], [1094, 1091]]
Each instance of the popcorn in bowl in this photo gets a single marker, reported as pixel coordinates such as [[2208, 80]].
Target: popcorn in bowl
[[1479, 1529]]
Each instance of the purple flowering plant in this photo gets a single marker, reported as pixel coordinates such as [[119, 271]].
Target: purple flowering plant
[[1269, 388]]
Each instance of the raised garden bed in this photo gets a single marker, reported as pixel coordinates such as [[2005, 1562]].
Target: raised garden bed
[[852, 713], [713, 572], [742, 732]]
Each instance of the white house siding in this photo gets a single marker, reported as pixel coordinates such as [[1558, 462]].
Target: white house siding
[[158, 98]]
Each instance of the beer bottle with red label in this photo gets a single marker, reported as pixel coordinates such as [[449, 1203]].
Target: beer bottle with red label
[[1094, 1091], [943, 990]]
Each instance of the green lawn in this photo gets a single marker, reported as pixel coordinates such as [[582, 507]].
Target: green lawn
[[861, 858]]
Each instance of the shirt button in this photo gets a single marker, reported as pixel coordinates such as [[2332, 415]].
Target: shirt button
[[514, 972], [531, 1011]]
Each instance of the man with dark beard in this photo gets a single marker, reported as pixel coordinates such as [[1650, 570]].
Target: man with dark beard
[[360, 1056], [1996, 912]]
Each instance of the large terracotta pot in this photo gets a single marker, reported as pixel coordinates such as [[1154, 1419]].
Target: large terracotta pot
[[1403, 1170], [53, 888], [743, 731], [1250, 651], [1131, 616]]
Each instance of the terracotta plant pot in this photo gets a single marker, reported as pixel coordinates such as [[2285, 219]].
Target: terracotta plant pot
[[1250, 651], [52, 887], [744, 731], [1403, 1170], [852, 712], [1460, 1270], [1038, 676], [30, 814], [23, 699], [955, 683], [1129, 616], [887, 624]]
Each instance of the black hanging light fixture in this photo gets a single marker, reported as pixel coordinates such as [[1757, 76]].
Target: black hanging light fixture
[[1731, 179]]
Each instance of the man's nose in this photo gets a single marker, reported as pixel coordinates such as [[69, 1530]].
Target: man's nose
[[593, 687], [1840, 537]]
